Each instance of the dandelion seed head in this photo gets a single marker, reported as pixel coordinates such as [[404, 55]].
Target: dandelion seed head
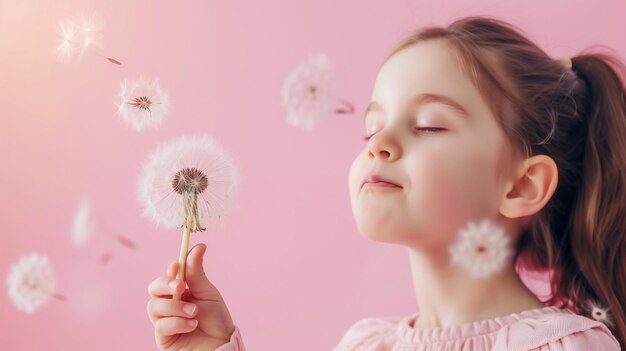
[[142, 104], [191, 180], [481, 249], [309, 92], [598, 312], [188, 181], [31, 282]]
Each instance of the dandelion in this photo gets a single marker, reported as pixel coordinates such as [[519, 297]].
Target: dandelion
[[31, 282], [82, 226], [142, 104], [185, 183], [80, 34], [481, 249], [599, 312], [309, 93]]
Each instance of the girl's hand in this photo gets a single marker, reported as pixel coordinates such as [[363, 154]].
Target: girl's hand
[[200, 320]]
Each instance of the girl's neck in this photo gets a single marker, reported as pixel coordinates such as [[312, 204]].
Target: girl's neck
[[447, 296]]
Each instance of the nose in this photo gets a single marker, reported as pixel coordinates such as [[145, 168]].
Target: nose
[[383, 146]]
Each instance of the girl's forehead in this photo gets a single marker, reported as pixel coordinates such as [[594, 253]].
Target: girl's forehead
[[430, 63], [428, 67]]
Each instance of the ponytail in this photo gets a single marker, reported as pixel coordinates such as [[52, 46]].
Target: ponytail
[[596, 275]]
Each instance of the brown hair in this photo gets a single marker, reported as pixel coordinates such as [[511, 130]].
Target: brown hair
[[576, 116]]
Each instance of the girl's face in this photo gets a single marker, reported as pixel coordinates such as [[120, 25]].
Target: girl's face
[[445, 160]]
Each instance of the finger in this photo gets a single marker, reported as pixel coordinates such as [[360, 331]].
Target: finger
[[197, 281], [160, 308], [163, 287], [169, 326]]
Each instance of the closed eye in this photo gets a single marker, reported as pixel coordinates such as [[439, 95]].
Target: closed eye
[[431, 129], [426, 129]]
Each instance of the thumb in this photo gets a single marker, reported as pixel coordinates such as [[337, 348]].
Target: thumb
[[199, 285]]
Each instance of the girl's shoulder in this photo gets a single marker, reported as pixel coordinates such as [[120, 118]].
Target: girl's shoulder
[[561, 329]]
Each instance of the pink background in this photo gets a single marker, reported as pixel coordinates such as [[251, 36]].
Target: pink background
[[289, 261]]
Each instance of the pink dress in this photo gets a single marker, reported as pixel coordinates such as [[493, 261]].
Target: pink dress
[[542, 329]]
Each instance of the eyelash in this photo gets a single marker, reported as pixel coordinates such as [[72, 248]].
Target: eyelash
[[432, 129]]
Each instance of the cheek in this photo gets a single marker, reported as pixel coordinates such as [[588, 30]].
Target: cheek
[[353, 175], [441, 192], [453, 189]]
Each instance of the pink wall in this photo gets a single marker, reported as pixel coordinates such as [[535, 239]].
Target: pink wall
[[289, 260]]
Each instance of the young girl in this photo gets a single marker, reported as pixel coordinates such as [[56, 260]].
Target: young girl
[[470, 124]]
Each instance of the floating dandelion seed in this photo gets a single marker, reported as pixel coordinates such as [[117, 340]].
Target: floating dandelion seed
[[310, 93], [105, 258], [187, 182], [482, 250], [142, 103], [31, 282], [126, 242], [83, 226], [599, 312], [69, 46], [123, 240], [81, 34]]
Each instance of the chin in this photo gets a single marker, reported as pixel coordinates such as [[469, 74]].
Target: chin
[[376, 231], [379, 237]]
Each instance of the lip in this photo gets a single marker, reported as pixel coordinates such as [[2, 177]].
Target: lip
[[378, 181]]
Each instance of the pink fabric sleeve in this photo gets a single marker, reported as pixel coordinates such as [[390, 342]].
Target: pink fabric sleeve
[[590, 339], [235, 343], [558, 332]]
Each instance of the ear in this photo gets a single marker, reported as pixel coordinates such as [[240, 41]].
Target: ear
[[531, 188]]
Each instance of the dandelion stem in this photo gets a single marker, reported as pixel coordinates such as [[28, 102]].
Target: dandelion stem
[[184, 246]]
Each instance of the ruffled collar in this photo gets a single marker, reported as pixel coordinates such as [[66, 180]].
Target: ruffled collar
[[433, 335]]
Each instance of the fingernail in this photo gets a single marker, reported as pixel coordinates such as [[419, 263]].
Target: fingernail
[[174, 283], [189, 309], [192, 323]]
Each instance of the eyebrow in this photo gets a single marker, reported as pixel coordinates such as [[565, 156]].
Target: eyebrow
[[425, 98]]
